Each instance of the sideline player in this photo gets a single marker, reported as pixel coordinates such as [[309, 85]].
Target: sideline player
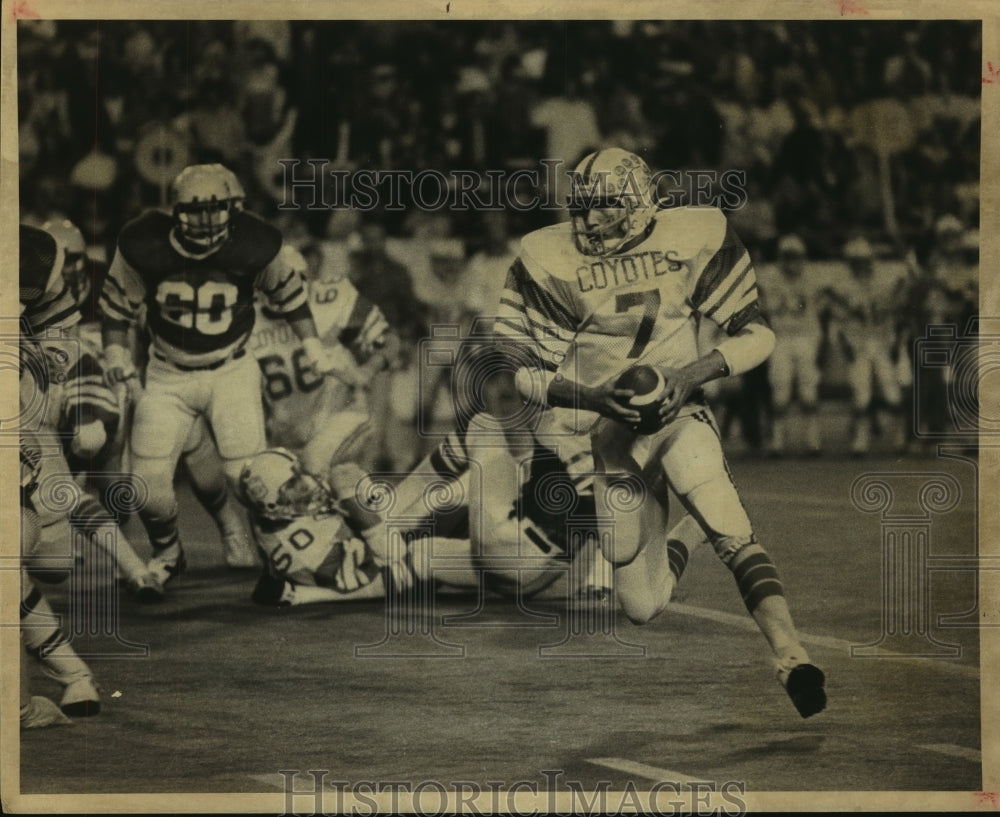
[[867, 310], [196, 273], [622, 284], [791, 304]]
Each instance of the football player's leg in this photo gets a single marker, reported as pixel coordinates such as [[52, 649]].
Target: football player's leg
[[887, 379], [645, 586], [346, 481], [338, 437], [36, 711], [47, 643], [64, 507], [236, 415], [781, 372], [51, 556], [161, 424], [104, 533], [859, 377], [578, 459], [211, 488], [618, 486], [698, 473], [808, 378]]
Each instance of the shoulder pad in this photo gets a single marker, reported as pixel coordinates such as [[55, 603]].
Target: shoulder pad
[[689, 230], [551, 251], [252, 245], [145, 244]]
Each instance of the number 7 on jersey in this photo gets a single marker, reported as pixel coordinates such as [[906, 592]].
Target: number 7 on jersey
[[649, 300]]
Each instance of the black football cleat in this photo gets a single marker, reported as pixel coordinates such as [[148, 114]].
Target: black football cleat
[[805, 688]]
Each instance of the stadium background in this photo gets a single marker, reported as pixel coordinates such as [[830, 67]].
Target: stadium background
[[840, 130], [788, 103]]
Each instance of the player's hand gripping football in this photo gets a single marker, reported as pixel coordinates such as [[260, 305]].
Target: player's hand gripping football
[[610, 401], [679, 385]]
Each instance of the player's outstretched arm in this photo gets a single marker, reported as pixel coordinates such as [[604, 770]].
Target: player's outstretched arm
[[118, 358], [739, 353]]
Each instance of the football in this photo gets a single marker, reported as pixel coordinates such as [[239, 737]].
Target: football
[[647, 383]]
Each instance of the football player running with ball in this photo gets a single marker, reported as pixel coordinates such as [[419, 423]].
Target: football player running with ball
[[195, 274], [625, 284]]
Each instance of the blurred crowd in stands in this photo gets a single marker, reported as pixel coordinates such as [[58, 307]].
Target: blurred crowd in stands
[[842, 129]]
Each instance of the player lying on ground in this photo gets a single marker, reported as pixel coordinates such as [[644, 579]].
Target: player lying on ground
[[508, 532], [623, 284]]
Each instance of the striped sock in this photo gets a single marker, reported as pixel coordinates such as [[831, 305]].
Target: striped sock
[[756, 576], [162, 531], [677, 555], [103, 532], [45, 639]]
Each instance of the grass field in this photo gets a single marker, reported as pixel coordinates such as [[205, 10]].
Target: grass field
[[231, 694]]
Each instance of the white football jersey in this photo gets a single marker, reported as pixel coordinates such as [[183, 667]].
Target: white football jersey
[[591, 318], [792, 304], [320, 551], [870, 309], [297, 398]]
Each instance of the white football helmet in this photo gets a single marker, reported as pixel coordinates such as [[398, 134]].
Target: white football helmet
[[860, 257], [275, 485], [611, 201], [204, 199], [75, 258]]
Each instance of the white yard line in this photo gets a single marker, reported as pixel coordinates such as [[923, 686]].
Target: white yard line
[[653, 773], [837, 644], [953, 750]]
